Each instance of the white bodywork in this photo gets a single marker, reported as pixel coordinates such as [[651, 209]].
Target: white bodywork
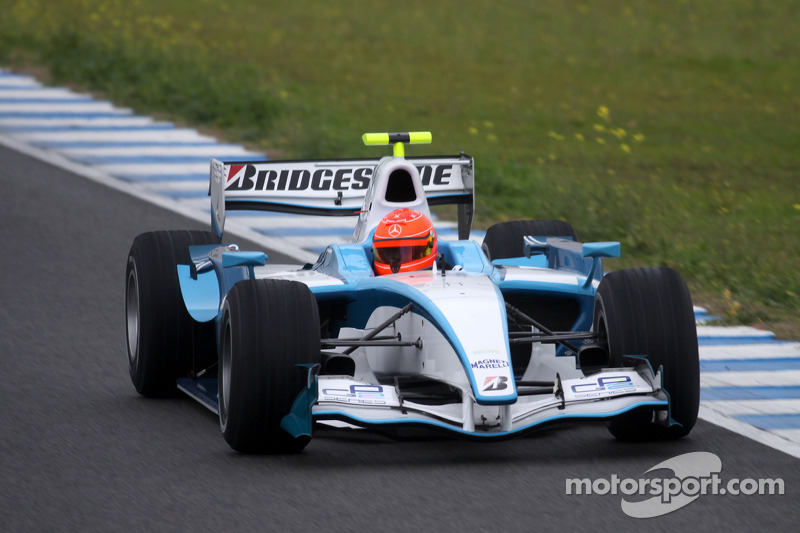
[[456, 318]]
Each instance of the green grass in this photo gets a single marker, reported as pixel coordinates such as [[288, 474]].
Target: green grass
[[671, 126]]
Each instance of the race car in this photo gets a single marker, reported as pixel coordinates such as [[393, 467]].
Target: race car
[[398, 329]]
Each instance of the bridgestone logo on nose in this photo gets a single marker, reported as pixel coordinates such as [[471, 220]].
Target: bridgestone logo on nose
[[495, 383]]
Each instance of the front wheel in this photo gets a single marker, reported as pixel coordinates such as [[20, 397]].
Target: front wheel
[[269, 327], [648, 312]]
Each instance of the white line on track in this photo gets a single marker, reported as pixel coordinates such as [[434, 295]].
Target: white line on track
[[160, 169], [782, 440], [750, 351], [789, 434], [217, 150], [769, 378], [59, 107], [41, 93], [736, 331], [178, 186], [755, 407], [78, 121], [161, 135], [201, 205], [13, 81]]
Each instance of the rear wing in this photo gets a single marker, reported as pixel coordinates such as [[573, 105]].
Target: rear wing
[[332, 187]]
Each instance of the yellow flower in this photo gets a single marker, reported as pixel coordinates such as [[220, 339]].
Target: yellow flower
[[796, 206], [625, 148], [491, 137], [603, 113], [638, 137], [472, 130], [600, 140], [579, 137], [599, 127]]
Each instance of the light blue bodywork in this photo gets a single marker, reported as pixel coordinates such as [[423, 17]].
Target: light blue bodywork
[[205, 283]]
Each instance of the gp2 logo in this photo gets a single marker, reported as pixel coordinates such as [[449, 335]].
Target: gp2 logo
[[604, 384], [362, 394]]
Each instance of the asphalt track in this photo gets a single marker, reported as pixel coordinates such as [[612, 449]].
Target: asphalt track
[[81, 451]]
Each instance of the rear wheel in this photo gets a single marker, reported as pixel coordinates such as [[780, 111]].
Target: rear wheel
[[268, 328], [164, 343], [648, 312], [505, 239]]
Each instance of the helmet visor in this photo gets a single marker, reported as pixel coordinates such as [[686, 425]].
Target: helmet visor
[[402, 251]]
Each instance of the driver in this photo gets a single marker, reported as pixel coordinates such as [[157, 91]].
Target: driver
[[404, 241]]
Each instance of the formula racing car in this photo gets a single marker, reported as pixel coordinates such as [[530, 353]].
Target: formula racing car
[[398, 328]]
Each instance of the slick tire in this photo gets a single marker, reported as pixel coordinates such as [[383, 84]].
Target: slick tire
[[505, 239], [164, 343], [268, 328], [648, 312]]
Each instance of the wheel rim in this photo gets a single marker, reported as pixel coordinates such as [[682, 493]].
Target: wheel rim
[[132, 315], [225, 375]]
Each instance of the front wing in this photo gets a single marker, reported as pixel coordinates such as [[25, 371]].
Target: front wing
[[600, 396]]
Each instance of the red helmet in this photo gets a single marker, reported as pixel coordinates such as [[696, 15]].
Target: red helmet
[[404, 241]]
